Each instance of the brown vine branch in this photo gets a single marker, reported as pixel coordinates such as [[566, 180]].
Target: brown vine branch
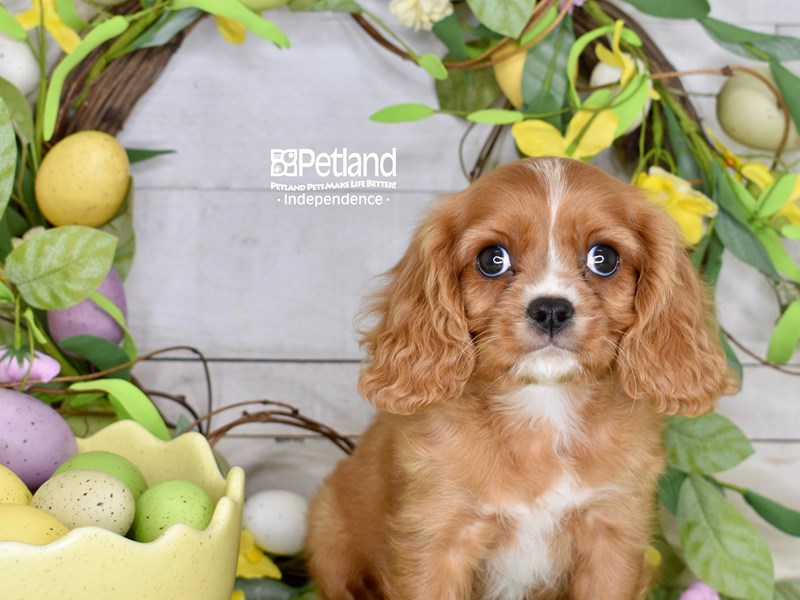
[[756, 357]]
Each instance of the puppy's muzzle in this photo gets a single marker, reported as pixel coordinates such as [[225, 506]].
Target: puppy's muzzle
[[551, 315]]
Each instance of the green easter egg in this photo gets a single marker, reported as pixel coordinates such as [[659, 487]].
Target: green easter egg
[[110, 463], [168, 503]]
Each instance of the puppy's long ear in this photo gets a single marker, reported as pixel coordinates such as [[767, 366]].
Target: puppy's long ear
[[419, 351], [672, 354]]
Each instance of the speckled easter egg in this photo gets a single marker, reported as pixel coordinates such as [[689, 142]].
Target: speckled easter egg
[[23, 523], [168, 503], [108, 462], [86, 498], [12, 489], [83, 179], [86, 318], [34, 439]]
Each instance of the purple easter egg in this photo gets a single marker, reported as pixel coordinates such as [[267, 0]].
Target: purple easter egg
[[86, 318], [34, 439]]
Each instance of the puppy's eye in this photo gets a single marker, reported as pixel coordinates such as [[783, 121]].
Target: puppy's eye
[[602, 260], [493, 261]]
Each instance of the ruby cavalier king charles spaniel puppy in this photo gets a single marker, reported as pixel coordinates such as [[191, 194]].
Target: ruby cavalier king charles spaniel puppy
[[524, 355]]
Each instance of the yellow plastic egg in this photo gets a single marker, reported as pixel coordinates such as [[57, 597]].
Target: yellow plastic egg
[[508, 74], [83, 179], [12, 490], [23, 523]]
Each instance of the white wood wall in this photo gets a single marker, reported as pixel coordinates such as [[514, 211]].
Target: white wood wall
[[269, 292]]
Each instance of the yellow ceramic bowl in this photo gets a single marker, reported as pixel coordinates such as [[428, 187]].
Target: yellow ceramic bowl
[[183, 564]]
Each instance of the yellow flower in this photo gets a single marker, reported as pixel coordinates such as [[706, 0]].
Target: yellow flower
[[587, 134], [616, 57], [45, 11], [689, 208], [791, 208], [760, 175], [252, 562], [232, 31]]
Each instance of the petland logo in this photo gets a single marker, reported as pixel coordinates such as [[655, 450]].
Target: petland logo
[[299, 162]]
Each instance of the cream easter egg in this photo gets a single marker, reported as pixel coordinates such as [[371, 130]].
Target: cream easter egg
[[83, 179], [87, 498], [749, 113]]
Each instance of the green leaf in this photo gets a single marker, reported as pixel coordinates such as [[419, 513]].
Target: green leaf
[[778, 253], [545, 69], [789, 85], [121, 226], [507, 18], [8, 157], [669, 488], [751, 44], [129, 402], [541, 25], [6, 295], [785, 519], [743, 196], [11, 225], [467, 91], [706, 444], [401, 113], [725, 196], [720, 546], [97, 36], [168, 25], [684, 158], [17, 105], [240, 13], [102, 353], [9, 25], [433, 66], [627, 35], [495, 116], [62, 266], [347, 6], [115, 313], [791, 231], [733, 360], [66, 10], [674, 9], [629, 103], [775, 196], [786, 335], [451, 34], [787, 590], [744, 244], [140, 154]]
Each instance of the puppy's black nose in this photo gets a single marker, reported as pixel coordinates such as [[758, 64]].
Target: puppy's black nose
[[551, 315]]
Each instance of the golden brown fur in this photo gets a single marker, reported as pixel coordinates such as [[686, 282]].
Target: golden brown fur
[[491, 430]]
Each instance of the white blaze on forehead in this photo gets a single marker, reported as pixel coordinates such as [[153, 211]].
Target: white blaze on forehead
[[551, 174]]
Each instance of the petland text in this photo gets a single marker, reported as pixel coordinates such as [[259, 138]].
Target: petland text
[[295, 162]]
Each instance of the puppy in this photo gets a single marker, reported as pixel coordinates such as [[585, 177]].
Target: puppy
[[524, 355]]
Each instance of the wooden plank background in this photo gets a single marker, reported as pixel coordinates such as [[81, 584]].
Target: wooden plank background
[[269, 292]]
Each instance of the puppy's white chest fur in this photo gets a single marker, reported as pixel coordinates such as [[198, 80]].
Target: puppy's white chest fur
[[527, 561]]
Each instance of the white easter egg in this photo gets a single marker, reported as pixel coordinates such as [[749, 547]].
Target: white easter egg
[[277, 520], [18, 65], [604, 74]]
